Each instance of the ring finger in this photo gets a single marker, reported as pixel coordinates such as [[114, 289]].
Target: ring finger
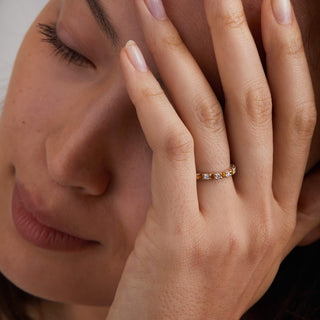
[[248, 100]]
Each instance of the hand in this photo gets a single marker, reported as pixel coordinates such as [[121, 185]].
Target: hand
[[210, 250]]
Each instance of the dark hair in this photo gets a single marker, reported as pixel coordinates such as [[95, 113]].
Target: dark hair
[[295, 292], [13, 301]]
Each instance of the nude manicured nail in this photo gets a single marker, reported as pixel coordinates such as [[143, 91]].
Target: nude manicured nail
[[157, 9], [136, 56], [282, 11]]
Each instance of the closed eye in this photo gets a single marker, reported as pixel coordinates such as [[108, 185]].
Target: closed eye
[[49, 35]]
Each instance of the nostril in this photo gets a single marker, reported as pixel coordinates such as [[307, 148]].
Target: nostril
[[89, 179], [96, 186]]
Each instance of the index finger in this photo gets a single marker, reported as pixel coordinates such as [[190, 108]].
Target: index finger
[[173, 181]]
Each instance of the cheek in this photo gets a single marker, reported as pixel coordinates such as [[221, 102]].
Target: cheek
[[43, 98], [133, 171], [43, 95], [28, 115], [31, 99]]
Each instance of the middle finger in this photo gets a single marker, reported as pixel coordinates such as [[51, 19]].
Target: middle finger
[[189, 90]]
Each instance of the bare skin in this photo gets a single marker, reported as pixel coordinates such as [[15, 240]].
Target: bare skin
[[93, 109]]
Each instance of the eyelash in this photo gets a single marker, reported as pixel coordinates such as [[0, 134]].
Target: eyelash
[[49, 33]]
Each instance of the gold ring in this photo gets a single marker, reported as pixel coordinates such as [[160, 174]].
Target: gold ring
[[217, 175]]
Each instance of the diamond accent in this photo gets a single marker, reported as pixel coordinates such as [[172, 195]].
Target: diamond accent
[[218, 176]]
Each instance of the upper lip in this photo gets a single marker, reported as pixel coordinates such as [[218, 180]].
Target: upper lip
[[44, 217]]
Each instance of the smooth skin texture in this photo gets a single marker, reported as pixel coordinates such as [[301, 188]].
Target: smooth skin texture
[[92, 164]]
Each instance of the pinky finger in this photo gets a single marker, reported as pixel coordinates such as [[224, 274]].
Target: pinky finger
[[308, 218], [173, 181], [294, 112]]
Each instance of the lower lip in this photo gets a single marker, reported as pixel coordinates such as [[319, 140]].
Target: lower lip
[[40, 235]]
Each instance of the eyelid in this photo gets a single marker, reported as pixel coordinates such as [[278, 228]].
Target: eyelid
[[92, 46], [49, 35], [66, 38]]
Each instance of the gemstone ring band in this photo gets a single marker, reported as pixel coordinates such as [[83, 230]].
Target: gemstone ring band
[[217, 175]]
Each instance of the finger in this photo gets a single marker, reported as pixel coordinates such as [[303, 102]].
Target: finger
[[248, 111], [173, 185], [188, 88], [293, 101], [308, 217]]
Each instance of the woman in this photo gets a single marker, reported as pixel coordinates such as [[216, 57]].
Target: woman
[[137, 213]]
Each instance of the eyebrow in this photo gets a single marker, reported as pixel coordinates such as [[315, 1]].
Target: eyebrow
[[103, 20]]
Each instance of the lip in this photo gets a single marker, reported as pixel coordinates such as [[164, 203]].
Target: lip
[[31, 223]]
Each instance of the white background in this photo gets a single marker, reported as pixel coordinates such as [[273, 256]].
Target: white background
[[15, 18]]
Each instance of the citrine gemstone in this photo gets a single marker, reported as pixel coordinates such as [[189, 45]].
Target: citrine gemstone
[[223, 174]]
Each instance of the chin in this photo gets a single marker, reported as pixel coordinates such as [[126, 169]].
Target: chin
[[55, 290], [68, 278]]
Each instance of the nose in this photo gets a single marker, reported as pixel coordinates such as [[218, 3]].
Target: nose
[[75, 158]]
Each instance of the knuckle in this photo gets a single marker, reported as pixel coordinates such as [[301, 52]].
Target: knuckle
[[209, 114], [235, 244], [179, 146], [293, 46], [170, 40], [232, 19], [151, 92], [305, 119], [258, 105]]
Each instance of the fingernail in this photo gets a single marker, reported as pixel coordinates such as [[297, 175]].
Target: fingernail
[[136, 56], [282, 11], [157, 9]]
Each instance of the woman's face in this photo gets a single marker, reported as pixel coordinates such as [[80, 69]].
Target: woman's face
[[71, 145]]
